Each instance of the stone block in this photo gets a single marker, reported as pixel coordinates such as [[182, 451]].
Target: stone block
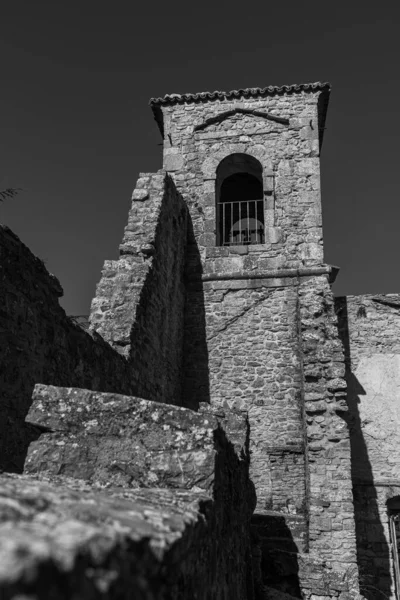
[[173, 162], [256, 248], [209, 189], [122, 440], [308, 166], [273, 235], [140, 194], [209, 226], [207, 239], [268, 184], [311, 251], [242, 250], [209, 167], [217, 252], [119, 439]]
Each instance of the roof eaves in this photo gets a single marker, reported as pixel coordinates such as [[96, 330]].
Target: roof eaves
[[170, 99]]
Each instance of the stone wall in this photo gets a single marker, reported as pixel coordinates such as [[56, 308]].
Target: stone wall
[[253, 364], [273, 349], [139, 302], [241, 333], [331, 529], [40, 344], [281, 131], [64, 539], [108, 540], [135, 342], [117, 440], [370, 327]]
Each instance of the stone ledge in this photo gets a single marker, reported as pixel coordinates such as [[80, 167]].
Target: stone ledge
[[127, 441], [60, 538], [273, 273], [286, 449], [376, 483]]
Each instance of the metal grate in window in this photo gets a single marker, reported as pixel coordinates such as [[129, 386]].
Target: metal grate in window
[[241, 223]]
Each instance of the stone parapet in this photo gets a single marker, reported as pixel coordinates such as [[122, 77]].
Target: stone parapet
[[60, 538]]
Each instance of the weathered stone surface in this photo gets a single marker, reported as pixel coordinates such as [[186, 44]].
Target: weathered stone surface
[[253, 364], [370, 327], [320, 582], [331, 529], [130, 442], [289, 156], [139, 303], [111, 440], [140, 194], [63, 539], [41, 344]]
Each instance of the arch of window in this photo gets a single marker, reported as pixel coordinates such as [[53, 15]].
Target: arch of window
[[240, 201]]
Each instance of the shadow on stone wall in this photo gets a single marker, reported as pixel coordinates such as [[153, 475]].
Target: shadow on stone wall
[[196, 376], [75, 362], [373, 553], [157, 315], [235, 500], [279, 568]]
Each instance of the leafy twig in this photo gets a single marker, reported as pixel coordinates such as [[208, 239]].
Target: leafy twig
[[9, 193]]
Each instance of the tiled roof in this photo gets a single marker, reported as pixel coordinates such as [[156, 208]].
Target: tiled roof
[[271, 90]]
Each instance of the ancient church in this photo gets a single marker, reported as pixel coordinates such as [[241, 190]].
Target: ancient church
[[225, 428]]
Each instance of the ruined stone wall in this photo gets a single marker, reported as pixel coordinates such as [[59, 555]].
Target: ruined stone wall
[[138, 314], [40, 344], [332, 532], [139, 302], [370, 327], [167, 514], [64, 539]]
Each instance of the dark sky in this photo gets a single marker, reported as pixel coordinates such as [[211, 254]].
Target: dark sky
[[76, 128]]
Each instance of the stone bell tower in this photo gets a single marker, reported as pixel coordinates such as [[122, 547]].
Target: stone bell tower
[[260, 329]]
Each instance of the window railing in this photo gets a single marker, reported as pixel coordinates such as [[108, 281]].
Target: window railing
[[241, 223], [395, 539]]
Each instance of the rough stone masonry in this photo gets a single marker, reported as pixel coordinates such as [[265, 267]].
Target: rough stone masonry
[[197, 441]]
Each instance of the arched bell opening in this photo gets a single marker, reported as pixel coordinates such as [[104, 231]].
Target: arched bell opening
[[240, 201]]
